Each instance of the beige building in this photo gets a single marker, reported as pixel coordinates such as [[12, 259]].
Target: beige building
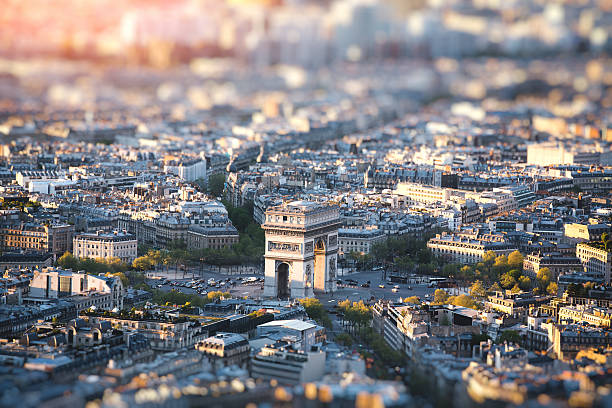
[[584, 232], [419, 193], [226, 348], [56, 239], [106, 245], [556, 263], [163, 334], [104, 292], [199, 237], [359, 240], [595, 316], [597, 261], [468, 250]]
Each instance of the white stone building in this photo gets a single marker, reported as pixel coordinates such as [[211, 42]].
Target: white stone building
[[117, 244]]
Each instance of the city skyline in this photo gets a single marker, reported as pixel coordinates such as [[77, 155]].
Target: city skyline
[[306, 203]]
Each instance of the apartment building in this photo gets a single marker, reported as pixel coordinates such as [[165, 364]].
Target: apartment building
[[419, 193], [287, 366], [568, 340], [576, 232], [226, 349], [164, 334], [463, 249], [359, 240], [596, 259], [56, 239], [596, 316], [557, 263], [116, 244], [200, 237], [54, 283]]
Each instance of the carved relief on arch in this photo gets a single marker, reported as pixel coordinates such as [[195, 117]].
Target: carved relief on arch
[[321, 243], [332, 268], [308, 276]]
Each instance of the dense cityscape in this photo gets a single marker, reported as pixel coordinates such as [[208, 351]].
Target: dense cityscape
[[306, 203]]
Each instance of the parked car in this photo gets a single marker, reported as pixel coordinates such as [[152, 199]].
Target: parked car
[[381, 286]]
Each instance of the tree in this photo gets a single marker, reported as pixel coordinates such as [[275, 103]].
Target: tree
[[489, 258], [463, 300], [478, 289], [544, 277], [552, 289], [216, 184], [124, 280], [316, 311], [412, 299], [524, 283], [450, 269], [511, 336], [507, 280], [440, 296], [515, 289], [495, 288], [345, 339], [515, 260], [142, 263], [68, 261]]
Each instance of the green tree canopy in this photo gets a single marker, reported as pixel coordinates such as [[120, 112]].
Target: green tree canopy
[[440, 296], [524, 283], [511, 336], [216, 184], [463, 300], [515, 260], [478, 289], [495, 287]]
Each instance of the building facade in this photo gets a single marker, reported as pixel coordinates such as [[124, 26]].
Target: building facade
[[106, 245], [199, 237], [56, 239], [358, 240], [596, 259], [52, 283], [556, 263], [466, 250]]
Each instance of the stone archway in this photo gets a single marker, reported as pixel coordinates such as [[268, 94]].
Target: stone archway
[[282, 281], [319, 264]]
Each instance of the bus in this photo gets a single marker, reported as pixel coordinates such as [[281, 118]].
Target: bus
[[398, 279], [438, 282], [435, 281]]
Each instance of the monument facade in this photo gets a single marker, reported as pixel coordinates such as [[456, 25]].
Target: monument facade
[[301, 249]]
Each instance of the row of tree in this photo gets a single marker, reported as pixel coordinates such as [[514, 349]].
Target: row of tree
[[315, 310], [174, 297]]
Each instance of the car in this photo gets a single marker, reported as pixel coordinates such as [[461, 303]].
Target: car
[[396, 287], [395, 290], [160, 285], [409, 288], [381, 286], [365, 285]]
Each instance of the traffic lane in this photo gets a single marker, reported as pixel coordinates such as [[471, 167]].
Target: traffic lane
[[365, 294]]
